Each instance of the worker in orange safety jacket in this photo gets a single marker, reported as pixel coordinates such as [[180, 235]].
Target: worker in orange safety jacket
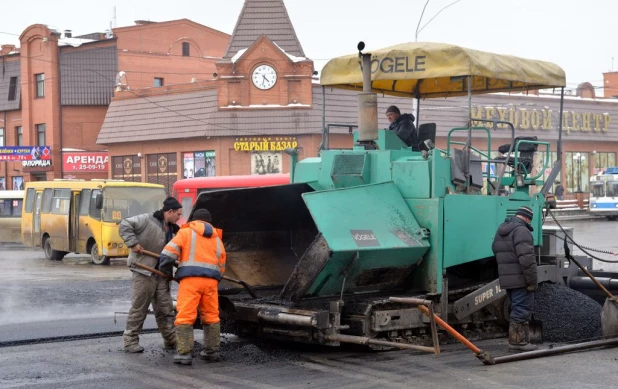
[[201, 255]]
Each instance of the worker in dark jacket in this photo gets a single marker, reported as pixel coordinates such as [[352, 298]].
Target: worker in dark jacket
[[403, 125], [513, 247]]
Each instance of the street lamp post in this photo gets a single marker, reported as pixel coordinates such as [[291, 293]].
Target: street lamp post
[[579, 158], [419, 28]]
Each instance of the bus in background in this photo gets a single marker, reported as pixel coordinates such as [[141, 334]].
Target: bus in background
[[77, 216], [604, 194], [10, 215], [187, 190]]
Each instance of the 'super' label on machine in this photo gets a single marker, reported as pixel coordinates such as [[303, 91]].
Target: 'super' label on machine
[[478, 299]]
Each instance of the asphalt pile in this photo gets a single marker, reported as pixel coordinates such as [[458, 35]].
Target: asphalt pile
[[567, 315], [253, 353]]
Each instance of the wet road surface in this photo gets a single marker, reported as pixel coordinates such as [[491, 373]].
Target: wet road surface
[[40, 298]]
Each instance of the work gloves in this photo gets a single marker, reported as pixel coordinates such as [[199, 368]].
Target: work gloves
[[166, 265], [531, 288]]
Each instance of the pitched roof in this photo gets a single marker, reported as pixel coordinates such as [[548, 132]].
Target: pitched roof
[[264, 17], [196, 114], [88, 76]]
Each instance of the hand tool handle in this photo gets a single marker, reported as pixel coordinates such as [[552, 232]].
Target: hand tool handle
[[596, 282], [154, 271]]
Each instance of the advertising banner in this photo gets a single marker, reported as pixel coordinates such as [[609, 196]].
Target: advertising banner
[[265, 163], [25, 153], [85, 162], [199, 164]]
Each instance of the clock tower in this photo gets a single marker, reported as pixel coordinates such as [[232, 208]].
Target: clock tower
[[265, 71]]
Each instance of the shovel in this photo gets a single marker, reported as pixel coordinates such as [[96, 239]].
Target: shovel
[[246, 286]]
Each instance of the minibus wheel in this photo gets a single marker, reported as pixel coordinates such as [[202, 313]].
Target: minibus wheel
[[96, 258], [51, 254]]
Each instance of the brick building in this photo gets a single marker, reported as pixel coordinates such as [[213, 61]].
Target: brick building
[[263, 96], [55, 88]]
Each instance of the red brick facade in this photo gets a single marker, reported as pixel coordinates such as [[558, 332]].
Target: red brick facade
[[155, 50], [144, 51], [610, 84], [293, 84]]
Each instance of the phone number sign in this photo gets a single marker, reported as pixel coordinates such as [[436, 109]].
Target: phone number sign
[[85, 162]]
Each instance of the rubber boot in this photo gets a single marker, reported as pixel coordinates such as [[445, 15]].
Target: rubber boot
[[519, 337], [134, 348], [184, 344], [169, 343], [212, 343]]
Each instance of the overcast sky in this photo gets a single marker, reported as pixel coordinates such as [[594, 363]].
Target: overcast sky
[[577, 35]]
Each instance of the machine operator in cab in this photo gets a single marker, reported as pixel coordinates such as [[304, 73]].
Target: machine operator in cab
[[403, 125]]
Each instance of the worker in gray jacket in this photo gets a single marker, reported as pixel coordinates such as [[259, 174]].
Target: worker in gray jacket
[[150, 232]]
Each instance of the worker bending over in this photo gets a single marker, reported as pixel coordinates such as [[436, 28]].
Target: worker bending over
[[149, 232], [199, 249]]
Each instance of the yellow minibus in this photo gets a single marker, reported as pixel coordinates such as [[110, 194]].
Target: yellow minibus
[[10, 215], [78, 216]]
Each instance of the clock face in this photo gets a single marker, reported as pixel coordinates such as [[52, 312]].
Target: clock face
[[264, 77]]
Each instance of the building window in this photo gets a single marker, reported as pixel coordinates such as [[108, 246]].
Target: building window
[[40, 84], [12, 88], [19, 136], [18, 183], [1, 137], [603, 160], [577, 171], [185, 49], [158, 82], [198, 164], [40, 135]]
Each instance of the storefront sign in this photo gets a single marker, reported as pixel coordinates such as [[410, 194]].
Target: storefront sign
[[162, 164], [39, 163], [25, 153], [543, 119], [265, 144], [85, 162]]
